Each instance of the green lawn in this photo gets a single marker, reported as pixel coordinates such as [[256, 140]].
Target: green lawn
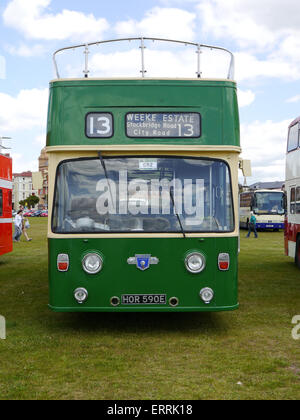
[[246, 354]]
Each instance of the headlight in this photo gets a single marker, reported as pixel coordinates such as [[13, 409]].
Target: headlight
[[207, 295], [92, 263], [195, 262], [81, 295]]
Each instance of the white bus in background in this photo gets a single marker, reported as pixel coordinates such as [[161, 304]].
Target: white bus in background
[[292, 187], [267, 206]]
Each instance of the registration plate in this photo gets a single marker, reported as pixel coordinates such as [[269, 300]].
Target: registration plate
[[144, 299]]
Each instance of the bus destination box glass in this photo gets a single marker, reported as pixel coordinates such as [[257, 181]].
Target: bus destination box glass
[[160, 125]]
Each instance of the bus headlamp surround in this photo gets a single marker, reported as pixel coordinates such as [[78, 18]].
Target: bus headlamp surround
[[195, 262], [81, 295], [92, 263], [207, 295]]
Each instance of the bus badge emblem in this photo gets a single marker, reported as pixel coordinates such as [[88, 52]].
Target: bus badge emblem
[[143, 261]]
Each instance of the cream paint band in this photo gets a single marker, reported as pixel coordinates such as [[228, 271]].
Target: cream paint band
[[52, 235], [143, 148]]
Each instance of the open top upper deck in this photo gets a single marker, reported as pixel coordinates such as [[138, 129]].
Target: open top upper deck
[[145, 110], [145, 57]]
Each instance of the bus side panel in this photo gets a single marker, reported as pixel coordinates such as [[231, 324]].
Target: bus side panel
[[5, 237], [169, 277], [6, 244]]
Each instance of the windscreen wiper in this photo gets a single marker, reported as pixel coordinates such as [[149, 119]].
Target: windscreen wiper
[[106, 176], [177, 215]]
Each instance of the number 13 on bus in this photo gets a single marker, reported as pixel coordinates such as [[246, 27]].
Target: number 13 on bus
[[143, 191]]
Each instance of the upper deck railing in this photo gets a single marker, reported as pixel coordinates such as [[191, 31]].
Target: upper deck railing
[[207, 62], [1, 144]]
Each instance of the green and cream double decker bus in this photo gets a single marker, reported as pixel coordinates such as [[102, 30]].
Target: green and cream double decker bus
[[143, 189]]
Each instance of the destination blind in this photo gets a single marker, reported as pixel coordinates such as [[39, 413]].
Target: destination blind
[[163, 125]]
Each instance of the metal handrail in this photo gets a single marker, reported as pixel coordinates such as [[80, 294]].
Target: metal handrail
[[142, 47], [1, 144]]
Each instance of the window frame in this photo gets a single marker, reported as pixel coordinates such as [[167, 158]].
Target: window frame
[[146, 232], [288, 142], [293, 200]]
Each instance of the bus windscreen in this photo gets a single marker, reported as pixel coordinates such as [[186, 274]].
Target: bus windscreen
[[269, 203], [143, 194]]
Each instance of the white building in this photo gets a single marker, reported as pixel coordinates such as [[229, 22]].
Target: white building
[[22, 188]]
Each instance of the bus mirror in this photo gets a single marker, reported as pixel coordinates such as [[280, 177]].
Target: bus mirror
[[37, 180], [245, 166]]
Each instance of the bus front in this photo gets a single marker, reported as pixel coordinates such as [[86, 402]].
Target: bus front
[[143, 195], [268, 207]]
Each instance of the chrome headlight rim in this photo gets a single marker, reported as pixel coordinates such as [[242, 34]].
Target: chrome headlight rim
[[84, 295], [89, 255], [205, 299], [189, 256]]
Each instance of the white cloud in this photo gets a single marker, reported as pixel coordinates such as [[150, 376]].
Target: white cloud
[[245, 97], [158, 63], [2, 67], [25, 111], [267, 27], [35, 22], [24, 50], [161, 23], [23, 116], [21, 164], [293, 99], [288, 50], [264, 143], [171, 3], [230, 19], [250, 22], [248, 67], [40, 140], [274, 15]]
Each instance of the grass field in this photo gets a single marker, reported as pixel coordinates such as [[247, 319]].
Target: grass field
[[246, 354]]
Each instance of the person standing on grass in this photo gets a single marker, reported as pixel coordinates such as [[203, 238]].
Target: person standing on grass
[[18, 226], [252, 225], [25, 226]]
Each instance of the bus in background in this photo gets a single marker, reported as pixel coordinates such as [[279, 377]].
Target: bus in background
[[292, 187], [143, 190], [6, 244], [267, 206]]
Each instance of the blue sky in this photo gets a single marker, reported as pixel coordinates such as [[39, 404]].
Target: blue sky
[[264, 36]]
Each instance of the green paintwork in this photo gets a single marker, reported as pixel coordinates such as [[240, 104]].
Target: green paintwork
[[169, 277], [69, 103], [71, 100]]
